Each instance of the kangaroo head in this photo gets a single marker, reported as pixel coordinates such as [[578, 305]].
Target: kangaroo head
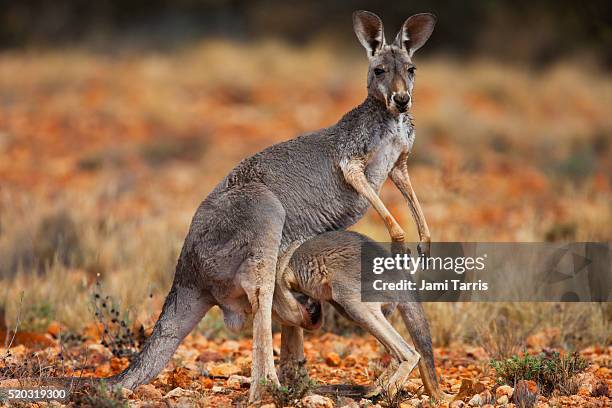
[[391, 71]]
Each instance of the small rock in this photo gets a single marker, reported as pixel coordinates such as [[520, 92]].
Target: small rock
[[126, 393], [180, 378], [591, 385], [469, 388], [238, 381], [346, 402], [457, 404], [54, 329], [366, 403], [332, 359], [217, 389], [504, 390], [224, 370], [413, 386], [230, 345], [601, 389], [100, 349], [317, 401], [185, 354], [96, 359], [503, 400], [478, 388], [206, 382], [415, 402], [148, 392], [178, 393], [350, 361], [208, 356], [119, 364], [10, 383], [475, 401], [486, 397]]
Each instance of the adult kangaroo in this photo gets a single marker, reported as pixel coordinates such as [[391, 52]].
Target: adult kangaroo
[[292, 191]]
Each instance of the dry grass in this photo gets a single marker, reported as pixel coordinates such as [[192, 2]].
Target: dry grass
[[90, 148]]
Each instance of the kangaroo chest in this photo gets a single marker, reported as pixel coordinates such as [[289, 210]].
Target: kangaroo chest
[[395, 139]]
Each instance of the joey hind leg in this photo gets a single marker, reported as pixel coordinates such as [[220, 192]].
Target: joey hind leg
[[292, 360], [371, 318]]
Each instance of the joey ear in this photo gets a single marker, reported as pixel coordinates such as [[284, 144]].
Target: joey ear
[[369, 30], [415, 32]]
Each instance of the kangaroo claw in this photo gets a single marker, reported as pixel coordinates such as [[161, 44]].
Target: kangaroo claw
[[424, 249]]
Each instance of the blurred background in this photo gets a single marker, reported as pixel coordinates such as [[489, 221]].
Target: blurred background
[[118, 117]]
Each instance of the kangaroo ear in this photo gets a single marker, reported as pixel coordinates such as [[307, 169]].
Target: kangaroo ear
[[369, 30], [415, 32]]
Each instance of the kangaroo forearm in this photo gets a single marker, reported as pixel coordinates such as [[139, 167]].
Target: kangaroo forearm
[[355, 176], [401, 178]]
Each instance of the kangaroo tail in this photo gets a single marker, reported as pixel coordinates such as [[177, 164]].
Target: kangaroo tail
[[415, 320], [183, 309]]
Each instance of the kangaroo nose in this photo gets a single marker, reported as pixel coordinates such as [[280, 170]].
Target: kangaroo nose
[[401, 100]]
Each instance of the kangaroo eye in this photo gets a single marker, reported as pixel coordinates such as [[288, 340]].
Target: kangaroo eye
[[411, 70], [378, 71]]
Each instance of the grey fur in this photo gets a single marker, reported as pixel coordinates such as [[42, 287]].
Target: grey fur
[[290, 192], [327, 268]]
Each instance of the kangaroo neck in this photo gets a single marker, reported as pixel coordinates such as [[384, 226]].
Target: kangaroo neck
[[371, 112], [368, 124]]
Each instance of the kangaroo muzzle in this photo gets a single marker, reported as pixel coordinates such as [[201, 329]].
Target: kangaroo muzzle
[[312, 315], [401, 100]]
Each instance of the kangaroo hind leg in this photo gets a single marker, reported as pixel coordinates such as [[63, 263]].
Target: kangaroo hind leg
[[257, 276]]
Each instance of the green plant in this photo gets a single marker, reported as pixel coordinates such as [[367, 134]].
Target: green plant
[[392, 395], [552, 371], [559, 371], [291, 394], [100, 396], [516, 368], [38, 316]]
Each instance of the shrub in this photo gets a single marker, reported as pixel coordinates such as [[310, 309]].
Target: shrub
[[116, 335], [100, 396], [291, 394], [552, 371]]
